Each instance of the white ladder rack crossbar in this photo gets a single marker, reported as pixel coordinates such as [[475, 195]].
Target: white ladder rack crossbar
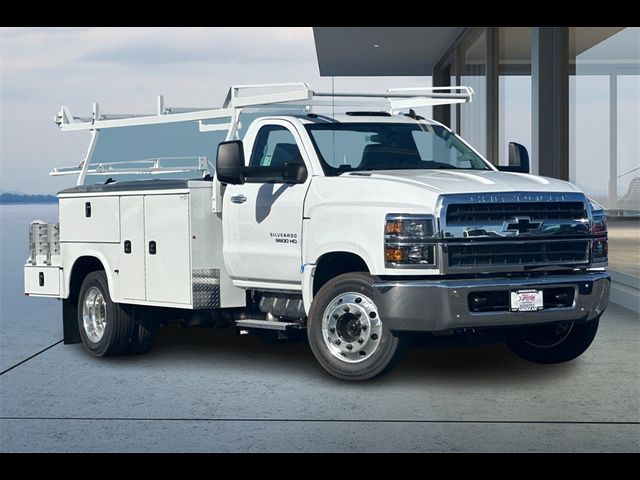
[[154, 167], [265, 95]]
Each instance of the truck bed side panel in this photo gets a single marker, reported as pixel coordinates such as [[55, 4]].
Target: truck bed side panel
[[132, 248], [90, 219], [167, 240]]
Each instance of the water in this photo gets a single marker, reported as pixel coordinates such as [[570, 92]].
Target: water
[[27, 324]]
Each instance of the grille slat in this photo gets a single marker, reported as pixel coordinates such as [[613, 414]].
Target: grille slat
[[521, 254], [471, 212]]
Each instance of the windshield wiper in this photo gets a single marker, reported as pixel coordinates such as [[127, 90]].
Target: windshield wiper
[[445, 166]]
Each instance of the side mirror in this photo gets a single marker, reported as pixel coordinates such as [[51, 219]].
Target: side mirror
[[294, 173], [230, 162], [518, 159]]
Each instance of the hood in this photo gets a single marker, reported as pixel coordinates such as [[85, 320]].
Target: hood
[[470, 181]]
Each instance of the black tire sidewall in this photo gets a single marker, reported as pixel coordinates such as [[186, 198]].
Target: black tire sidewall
[[98, 280], [387, 350], [574, 345]]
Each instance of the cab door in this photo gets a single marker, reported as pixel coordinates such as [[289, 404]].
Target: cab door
[[262, 219]]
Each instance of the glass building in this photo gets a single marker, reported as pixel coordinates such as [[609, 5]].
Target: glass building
[[571, 95]]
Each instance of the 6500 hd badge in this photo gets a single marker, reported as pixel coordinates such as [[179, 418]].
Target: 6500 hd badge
[[284, 237]]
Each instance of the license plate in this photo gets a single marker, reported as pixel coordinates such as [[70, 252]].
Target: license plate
[[526, 300]]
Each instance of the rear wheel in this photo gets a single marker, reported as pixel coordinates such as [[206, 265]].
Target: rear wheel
[[106, 328], [346, 334], [555, 343]]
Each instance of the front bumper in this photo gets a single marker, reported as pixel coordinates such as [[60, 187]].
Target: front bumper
[[437, 305]]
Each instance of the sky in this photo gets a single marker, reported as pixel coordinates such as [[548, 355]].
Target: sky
[[124, 69]]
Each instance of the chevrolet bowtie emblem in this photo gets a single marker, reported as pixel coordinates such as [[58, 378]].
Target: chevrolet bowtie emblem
[[521, 225]]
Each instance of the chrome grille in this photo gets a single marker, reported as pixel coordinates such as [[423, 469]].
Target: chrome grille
[[516, 253], [514, 231], [460, 213]]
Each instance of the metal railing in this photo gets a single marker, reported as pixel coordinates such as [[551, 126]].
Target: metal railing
[[149, 166]]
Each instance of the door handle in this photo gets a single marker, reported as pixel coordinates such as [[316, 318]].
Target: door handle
[[238, 198], [127, 246], [152, 247]]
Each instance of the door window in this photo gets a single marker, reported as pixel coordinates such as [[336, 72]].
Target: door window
[[274, 146]]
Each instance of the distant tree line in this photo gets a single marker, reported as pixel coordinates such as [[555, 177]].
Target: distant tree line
[[23, 198]]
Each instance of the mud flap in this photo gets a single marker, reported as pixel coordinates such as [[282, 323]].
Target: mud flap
[[70, 323]]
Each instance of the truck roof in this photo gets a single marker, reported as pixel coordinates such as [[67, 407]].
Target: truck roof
[[368, 118]]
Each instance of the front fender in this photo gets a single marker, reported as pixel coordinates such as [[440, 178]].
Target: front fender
[[361, 235], [345, 246]]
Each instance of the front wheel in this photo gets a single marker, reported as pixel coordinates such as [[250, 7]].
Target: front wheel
[[554, 343], [346, 334]]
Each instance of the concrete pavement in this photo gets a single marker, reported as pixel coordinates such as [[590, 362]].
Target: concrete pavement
[[209, 390]]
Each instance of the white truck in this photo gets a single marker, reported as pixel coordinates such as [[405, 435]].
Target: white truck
[[356, 230]]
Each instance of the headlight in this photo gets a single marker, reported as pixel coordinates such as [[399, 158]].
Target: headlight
[[600, 246], [599, 226], [409, 241]]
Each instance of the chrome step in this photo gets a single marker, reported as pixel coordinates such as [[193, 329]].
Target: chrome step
[[266, 324]]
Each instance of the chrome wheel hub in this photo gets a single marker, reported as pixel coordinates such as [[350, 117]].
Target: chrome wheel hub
[[548, 336], [94, 314], [351, 328]]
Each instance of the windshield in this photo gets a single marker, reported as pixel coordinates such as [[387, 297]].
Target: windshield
[[344, 147]]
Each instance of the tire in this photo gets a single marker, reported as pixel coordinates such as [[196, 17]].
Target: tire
[[350, 298], [110, 329], [144, 335], [554, 343]]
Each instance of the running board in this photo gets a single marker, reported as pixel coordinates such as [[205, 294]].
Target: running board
[[266, 324]]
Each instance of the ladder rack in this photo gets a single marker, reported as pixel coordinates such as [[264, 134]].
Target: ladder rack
[[239, 97], [148, 166], [292, 94]]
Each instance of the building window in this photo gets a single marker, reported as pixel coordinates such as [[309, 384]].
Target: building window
[[604, 121], [514, 89], [473, 116]]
